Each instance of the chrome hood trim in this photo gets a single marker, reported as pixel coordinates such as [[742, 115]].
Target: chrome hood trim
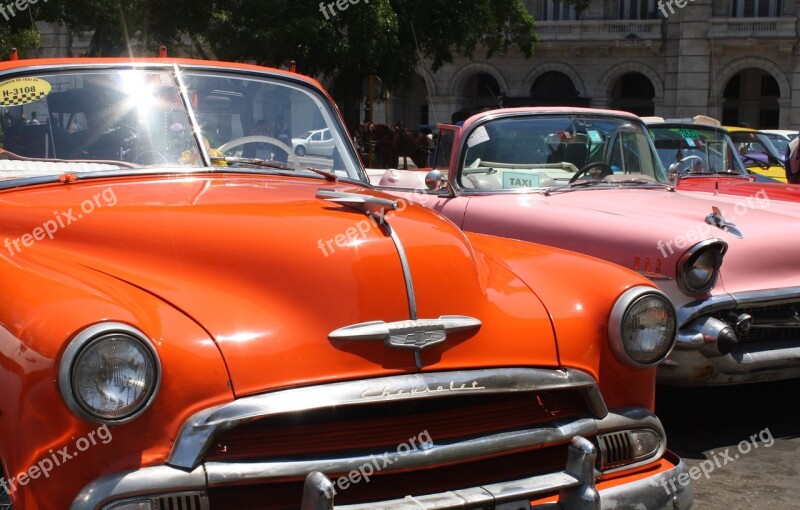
[[198, 432], [414, 334]]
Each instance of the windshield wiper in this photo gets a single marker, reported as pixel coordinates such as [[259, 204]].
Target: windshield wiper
[[269, 163]]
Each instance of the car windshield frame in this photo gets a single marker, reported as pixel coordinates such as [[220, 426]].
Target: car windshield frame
[[586, 125], [692, 144], [177, 107]]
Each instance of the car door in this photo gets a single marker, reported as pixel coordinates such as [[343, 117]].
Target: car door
[[448, 200]]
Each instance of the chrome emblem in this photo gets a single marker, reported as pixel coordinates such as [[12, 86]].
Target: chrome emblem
[[413, 334], [718, 220]]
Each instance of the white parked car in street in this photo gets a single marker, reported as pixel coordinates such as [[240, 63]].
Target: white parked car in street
[[318, 142]]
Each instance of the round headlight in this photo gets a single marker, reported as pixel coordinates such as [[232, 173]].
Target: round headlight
[[698, 268], [109, 373], [642, 327]]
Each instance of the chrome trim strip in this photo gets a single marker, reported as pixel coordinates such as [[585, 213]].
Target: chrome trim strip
[[227, 473], [401, 252], [187, 104], [198, 432], [375, 208], [724, 301], [166, 479]]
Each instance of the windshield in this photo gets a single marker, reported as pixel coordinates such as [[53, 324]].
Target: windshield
[[695, 150], [132, 118], [779, 141], [752, 143], [545, 150]]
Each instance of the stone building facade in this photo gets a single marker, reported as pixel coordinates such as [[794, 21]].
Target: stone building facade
[[735, 60]]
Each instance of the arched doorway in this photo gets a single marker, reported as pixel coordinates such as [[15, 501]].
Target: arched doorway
[[411, 104], [555, 88], [751, 98], [633, 92], [481, 90]]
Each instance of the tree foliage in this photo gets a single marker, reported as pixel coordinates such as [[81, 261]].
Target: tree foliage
[[340, 41]]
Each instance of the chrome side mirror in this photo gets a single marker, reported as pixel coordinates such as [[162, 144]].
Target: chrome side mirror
[[434, 180], [673, 174]]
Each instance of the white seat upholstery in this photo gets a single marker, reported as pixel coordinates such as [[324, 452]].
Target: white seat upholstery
[[14, 168]]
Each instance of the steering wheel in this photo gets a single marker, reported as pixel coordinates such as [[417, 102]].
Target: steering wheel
[[605, 170], [261, 139], [688, 158]]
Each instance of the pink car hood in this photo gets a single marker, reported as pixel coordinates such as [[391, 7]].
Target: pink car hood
[[649, 230]]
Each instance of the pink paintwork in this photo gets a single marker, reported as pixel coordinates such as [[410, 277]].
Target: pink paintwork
[[647, 226]]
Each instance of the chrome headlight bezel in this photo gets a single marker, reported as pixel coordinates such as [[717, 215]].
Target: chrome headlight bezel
[[708, 253], [617, 322], [90, 337]]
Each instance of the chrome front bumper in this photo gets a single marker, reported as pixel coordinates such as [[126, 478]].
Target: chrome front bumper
[[712, 346], [575, 486], [576, 490]]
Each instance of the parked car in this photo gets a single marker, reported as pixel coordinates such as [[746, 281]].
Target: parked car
[[780, 138], [317, 142], [189, 325], [758, 153], [701, 157], [591, 181]]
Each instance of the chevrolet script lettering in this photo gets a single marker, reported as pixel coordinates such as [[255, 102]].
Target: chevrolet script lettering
[[387, 392]]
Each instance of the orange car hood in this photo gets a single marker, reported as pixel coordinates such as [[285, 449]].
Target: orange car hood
[[269, 271]]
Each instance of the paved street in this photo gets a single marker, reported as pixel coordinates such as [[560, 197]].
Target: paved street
[[710, 423]]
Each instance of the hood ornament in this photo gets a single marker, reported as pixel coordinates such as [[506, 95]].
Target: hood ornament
[[718, 220], [412, 335]]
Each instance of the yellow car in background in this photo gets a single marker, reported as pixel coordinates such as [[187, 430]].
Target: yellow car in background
[[758, 153]]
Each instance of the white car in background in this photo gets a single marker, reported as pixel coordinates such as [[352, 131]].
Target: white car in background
[[317, 142], [780, 138]]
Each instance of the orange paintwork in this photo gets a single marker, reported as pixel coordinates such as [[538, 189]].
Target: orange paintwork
[[229, 276]]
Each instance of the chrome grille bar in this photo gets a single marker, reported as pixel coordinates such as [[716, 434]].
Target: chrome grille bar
[[197, 434]]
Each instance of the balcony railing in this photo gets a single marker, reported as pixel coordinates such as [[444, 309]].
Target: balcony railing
[[598, 30], [755, 28]]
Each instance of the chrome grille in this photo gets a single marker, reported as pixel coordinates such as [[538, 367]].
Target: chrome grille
[[615, 449], [771, 323], [185, 501]]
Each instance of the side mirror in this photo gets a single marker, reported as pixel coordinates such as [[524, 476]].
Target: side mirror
[[434, 180], [672, 172]]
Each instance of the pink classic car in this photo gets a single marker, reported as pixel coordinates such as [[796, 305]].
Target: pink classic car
[[590, 181]]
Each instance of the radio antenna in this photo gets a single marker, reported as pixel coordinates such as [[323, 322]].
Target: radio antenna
[[424, 76]]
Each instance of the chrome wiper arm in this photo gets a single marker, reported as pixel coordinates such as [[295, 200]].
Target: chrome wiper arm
[[269, 163], [252, 161]]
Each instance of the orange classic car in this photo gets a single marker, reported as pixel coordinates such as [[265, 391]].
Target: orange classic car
[[194, 316]]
